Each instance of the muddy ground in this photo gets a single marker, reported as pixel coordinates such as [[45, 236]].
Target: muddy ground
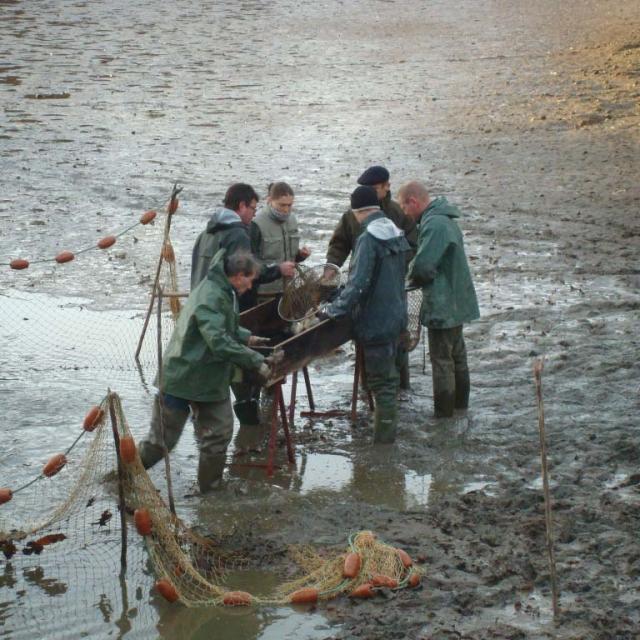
[[524, 114]]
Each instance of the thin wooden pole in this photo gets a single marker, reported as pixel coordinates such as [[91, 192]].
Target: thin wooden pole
[[154, 290], [354, 392], [167, 464], [294, 394], [285, 427], [307, 383], [537, 373], [121, 501]]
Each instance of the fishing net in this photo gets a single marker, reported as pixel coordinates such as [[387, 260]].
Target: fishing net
[[414, 327], [306, 290]]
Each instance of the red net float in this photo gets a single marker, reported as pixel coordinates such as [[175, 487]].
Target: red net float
[[5, 495], [106, 242], [173, 206], [381, 580], [352, 564], [54, 465], [19, 263], [143, 522], [405, 558], [51, 538], [93, 418], [363, 591], [127, 449], [237, 598], [147, 217], [305, 595], [64, 256], [414, 580], [167, 590]]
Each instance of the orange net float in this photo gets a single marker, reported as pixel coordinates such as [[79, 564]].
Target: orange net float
[[106, 242], [363, 591], [93, 418], [167, 590], [64, 256], [54, 465], [168, 253], [306, 595], [405, 558], [19, 263], [352, 564], [237, 598], [147, 217], [414, 580], [127, 449], [173, 206], [143, 522], [381, 580], [5, 495]]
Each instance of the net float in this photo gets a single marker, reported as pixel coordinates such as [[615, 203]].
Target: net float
[[147, 217], [106, 242], [143, 522], [363, 591], [64, 256], [19, 263], [414, 580], [127, 449], [168, 253], [237, 598], [405, 558], [352, 564], [167, 590], [384, 581], [5, 495], [173, 206], [304, 596], [54, 465], [93, 418]]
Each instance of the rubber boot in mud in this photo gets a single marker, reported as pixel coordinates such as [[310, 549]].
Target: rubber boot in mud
[[443, 404], [405, 377], [384, 424], [210, 470], [462, 390]]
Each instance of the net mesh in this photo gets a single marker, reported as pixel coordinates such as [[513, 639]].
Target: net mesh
[[414, 327], [306, 290]]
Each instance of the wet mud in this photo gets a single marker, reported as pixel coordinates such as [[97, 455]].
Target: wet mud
[[525, 115]]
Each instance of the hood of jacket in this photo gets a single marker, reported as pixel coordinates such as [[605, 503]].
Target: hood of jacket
[[441, 207], [223, 218]]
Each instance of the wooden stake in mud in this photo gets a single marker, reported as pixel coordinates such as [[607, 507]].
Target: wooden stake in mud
[[121, 502], [171, 209], [537, 373], [167, 464]]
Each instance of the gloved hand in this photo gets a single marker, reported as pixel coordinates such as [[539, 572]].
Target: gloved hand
[[275, 358], [258, 341], [264, 372], [322, 314]]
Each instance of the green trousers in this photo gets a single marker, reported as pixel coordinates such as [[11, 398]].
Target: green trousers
[[213, 426], [382, 380], [450, 373]]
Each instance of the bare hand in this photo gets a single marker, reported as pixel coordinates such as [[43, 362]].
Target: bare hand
[[258, 341], [287, 269], [304, 253]]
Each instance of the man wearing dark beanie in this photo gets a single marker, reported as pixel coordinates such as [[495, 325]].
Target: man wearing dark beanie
[[374, 297], [346, 233]]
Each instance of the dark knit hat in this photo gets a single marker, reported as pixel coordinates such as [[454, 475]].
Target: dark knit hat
[[374, 175], [364, 198]]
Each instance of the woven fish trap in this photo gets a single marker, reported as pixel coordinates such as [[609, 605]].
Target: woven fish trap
[[307, 290], [414, 328]]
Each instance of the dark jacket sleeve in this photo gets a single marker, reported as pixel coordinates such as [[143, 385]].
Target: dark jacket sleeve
[[360, 279], [434, 242], [341, 242]]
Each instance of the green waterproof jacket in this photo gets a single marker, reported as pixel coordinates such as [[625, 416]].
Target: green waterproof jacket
[[346, 233], [374, 295], [207, 342], [440, 267]]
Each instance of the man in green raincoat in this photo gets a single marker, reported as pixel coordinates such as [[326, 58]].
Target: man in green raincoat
[[440, 267], [205, 348], [374, 297]]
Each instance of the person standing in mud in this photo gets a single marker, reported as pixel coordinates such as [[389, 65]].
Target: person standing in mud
[[205, 347], [375, 298], [441, 268], [228, 229], [344, 238], [275, 237]]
